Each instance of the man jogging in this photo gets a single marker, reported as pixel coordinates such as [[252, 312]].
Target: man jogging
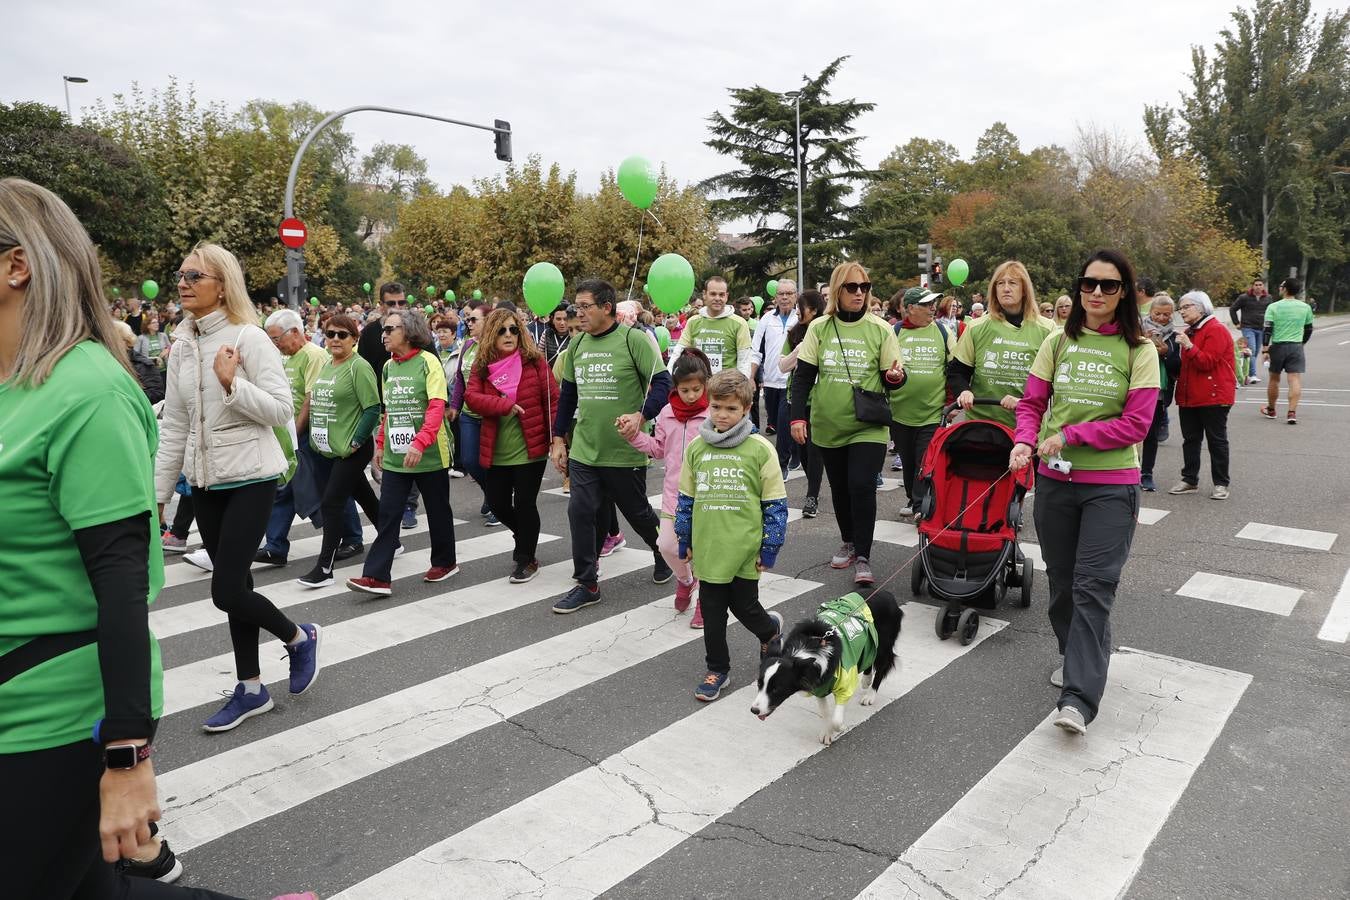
[[1286, 328]]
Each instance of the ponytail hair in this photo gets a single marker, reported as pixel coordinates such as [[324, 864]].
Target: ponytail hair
[[691, 363]]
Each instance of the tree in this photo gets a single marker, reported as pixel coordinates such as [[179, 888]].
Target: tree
[[389, 176], [758, 133]]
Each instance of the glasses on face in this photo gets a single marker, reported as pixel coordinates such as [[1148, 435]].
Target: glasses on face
[[191, 276], [473, 320], [390, 329], [856, 287], [508, 329], [337, 335], [1108, 286], [394, 304], [588, 306]]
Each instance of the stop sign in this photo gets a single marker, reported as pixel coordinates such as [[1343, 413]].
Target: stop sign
[[293, 233]]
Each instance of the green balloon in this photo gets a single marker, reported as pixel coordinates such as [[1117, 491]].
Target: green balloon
[[771, 287], [958, 270], [366, 287], [431, 291], [645, 291], [149, 289], [637, 181], [663, 337], [429, 309], [449, 296], [313, 301], [477, 294], [543, 288], [671, 280], [117, 292], [759, 304]]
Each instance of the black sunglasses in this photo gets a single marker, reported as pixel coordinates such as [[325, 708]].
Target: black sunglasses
[[337, 335], [505, 329], [1109, 286], [854, 287], [390, 329], [392, 303], [191, 276]]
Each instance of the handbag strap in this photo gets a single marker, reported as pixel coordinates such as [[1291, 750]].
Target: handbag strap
[[842, 354]]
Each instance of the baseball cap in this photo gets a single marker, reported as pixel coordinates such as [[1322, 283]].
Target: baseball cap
[[921, 295]]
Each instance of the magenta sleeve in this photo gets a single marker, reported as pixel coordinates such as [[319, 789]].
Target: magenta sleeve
[[431, 424], [1126, 430], [1030, 409]]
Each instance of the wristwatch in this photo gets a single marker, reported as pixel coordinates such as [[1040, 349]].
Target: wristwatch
[[125, 756]]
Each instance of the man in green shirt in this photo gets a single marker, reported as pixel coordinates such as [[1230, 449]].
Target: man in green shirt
[[613, 383], [723, 336], [1288, 326]]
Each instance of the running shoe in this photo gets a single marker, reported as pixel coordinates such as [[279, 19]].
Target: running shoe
[[1291, 418], [347, 551], [370, 586], [897, 464], [491, 520], [710, 688], [305, 659], [1070, 718], [577, 598], [172, 543], [811, 508], [612, 542], [524, 572], [684, 594], [270, 557], [1147, 483], [440, 573], [697, 620], [862, 572], [661, 572], [241, 705], [164, 868], [1184, 487], [1268, 412], [315, 578], [409, 519], [843, 557], [201, 559]]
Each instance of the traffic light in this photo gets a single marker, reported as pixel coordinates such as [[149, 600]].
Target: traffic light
[[925, 259], [937, 271], [502, 139]]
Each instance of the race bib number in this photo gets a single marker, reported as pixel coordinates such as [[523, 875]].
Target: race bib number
[[400, 440], [716, 363], [319, 438]]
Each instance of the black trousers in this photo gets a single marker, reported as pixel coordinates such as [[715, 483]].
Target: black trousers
[[1149, 456], [346, 479], [592, 487], [741, 598], [232, 524], [1208, 424], [812, 462], [775, 413], [513, 494], [911, 442], [49, 847], [182, 517], [395, 487], [852, 470]]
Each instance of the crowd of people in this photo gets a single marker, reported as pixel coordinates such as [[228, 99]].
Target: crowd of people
[[262, 416]]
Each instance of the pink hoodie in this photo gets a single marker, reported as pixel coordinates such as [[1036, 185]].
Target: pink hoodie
[[667, 442]]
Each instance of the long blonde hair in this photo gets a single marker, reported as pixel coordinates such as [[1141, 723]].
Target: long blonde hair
[[63, 303], [838, 277], [1030, 310], [223, 264]]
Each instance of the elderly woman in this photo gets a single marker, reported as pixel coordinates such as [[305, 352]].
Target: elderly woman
[[1063, 306], [1206, 390], [412, 446], [1159, 329]]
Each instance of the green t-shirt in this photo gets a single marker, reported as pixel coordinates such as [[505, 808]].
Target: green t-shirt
[[926, 351], [75, 452], [870, 347], [852, 620], [1289, 316], [1001, 354], [1091, 378], [156, 344], [302, 367], [510, 449], [721, 339], [612, 374], [339, 394], [408, 387], [727, 485]]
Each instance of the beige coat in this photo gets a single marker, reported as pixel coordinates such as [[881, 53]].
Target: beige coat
[[211, 437]]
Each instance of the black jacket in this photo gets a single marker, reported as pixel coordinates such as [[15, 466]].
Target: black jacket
[[1249, 311]]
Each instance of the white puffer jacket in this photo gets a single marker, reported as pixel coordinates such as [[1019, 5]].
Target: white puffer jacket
[[211, 437]]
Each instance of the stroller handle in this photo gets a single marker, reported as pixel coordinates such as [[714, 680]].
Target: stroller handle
[[978, 401]]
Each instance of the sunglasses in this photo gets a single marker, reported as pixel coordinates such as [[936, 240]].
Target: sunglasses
[[1109, 286], [474, 319], [395, 303], [508, 329], [337, 335], [390, 329], [856, 287], [191, 276]]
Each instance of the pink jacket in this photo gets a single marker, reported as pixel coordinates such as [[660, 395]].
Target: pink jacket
[[667, 442]]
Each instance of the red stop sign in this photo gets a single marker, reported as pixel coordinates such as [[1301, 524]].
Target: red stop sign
[[293, 233]]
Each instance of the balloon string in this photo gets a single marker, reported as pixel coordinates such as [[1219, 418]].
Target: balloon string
[[642, 220]]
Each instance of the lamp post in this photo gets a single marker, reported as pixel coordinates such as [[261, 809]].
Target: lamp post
[[66, 82], [796, 98]]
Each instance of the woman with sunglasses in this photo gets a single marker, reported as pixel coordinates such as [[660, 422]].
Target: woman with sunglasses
[[469, 422], [512, 388], [1102, 374], [344, 408], [846, 360]]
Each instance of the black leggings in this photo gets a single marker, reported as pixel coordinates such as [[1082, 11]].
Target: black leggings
[[512, 494], [232, 524], [182, 517], [852, 470], [741, 598], [346, 479], [52, 851], [911, 443], [812, 462]]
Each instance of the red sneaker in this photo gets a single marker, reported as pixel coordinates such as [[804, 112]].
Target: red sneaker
[[370, 586], [684, 593], [440, 573], [697, 620]]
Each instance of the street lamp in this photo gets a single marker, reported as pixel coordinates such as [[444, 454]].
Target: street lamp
[[796, 98], [66, 82]]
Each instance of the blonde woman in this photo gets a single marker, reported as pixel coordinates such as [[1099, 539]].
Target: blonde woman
[[993, 355], [226, 393], [845, 349]]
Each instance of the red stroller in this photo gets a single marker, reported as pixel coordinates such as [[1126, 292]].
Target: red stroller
[[968, 521]]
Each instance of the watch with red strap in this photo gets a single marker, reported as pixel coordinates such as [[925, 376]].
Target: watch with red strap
[[125, 756]]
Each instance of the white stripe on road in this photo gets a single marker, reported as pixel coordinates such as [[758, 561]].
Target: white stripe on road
[[1336, 626], [287, 769], [1258, 595], [1067, 817], [1296, 537], [200, 614], [1149, 516], [1301, 404], [589, 832], [193, 684]]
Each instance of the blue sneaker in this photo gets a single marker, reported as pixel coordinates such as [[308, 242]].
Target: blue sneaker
[[240, 706], [409, 519], [577, 598], [491, 520], [710, 688], [774, 645], [305, 660]]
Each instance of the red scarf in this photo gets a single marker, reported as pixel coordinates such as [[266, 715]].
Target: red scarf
[[682, 411]]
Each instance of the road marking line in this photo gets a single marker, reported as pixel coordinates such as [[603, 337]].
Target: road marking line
[[1150, 516], [196, 683], [287, 769], [1336, 626], [1031, 825], [1258, 595], [592, 830], [1342, 343], [1297, 537]]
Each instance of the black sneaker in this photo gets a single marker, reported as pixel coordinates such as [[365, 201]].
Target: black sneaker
[[315, 578], [577, 598], [810, 508], [525, 572], [661, 572], [347, 551], [269, 557], [164, 868]]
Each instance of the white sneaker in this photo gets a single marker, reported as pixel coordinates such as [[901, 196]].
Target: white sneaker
[[201, 559], [1071, 720], [1057, 678], [1220, 492]]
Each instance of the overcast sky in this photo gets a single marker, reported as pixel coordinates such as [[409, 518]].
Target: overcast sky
[[586, 83]]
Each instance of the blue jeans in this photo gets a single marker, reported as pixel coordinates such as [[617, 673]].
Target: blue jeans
[[283, 511], [466, 452], [1253, 336]]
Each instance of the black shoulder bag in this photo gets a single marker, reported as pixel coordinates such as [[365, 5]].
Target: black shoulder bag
[[870, 407]]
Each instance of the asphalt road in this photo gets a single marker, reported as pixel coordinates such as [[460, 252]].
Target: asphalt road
[[464, 742]]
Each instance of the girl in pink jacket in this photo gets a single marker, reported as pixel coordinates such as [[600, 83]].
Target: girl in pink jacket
[[675, 427]]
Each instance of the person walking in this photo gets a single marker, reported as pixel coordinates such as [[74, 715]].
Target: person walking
[[810, 306], [723, 336], [1159, 329], [1102, 375], [151, 342], [512, 389], [1288, 325], [1206, 389], [227, 392], [470, 425], [916, 408], [1248, 312], [766, 349], [847, 359], [612, 385], [412, 447]]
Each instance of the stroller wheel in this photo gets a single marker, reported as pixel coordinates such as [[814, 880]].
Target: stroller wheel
[[1028, 576], [1000, 587], [944, 623], [916, 577], [967, 626]]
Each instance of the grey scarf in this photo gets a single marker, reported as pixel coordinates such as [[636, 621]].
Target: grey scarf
[[732, 437]]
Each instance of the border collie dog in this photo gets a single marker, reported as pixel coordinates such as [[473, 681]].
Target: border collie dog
[[824, 656]]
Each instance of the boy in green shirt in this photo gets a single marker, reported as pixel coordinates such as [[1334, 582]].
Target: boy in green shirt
[[731, 521]]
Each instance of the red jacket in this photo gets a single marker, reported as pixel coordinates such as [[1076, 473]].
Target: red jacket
[[1207, 373], [537, 396]]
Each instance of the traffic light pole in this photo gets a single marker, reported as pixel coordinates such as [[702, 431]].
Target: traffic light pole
[[295, 259]]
